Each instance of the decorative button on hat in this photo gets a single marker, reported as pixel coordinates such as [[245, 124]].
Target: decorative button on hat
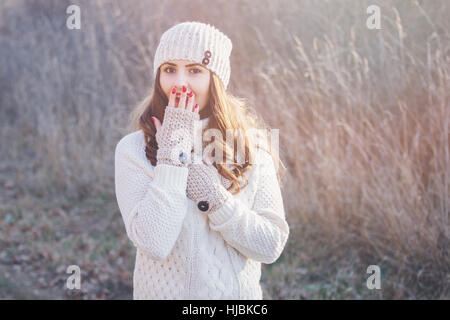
[[205, 60], [197, 42]]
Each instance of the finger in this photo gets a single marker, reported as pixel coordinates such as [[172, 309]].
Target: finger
[[182, 103], [172, 97], [196, 108], [190, 101], [157, 123], [177, 99]]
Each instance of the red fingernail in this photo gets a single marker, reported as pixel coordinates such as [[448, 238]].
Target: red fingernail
[[191, 94], [196, 105], [173, 90], [153, 120], [184, 89]]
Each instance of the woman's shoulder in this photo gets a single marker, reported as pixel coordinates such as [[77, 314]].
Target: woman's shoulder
[[262, 151], [131, 143], [130, 153], [264, 161]]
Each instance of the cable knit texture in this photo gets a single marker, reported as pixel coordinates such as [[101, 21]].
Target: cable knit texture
[[176, 136], [183, 253]]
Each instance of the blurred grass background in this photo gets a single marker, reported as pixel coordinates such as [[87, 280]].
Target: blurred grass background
[[364, 131]]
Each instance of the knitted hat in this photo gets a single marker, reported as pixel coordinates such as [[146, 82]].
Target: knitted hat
[[198, 42]]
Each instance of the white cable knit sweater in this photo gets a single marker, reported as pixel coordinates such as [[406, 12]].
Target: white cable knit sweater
[[183, 253]]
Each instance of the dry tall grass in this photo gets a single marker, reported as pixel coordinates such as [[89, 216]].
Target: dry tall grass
[[363, 118]]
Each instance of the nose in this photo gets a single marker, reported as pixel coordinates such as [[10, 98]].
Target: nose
[[180, 81]]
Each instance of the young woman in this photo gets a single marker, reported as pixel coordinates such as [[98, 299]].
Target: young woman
[[201, 228]]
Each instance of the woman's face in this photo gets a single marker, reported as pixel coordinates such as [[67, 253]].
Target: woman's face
[[179, 73]]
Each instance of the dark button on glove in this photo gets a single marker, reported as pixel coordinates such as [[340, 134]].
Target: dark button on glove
[[203, 206], [207, 187]]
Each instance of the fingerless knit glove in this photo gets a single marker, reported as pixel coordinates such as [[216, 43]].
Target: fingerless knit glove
[[175, 136], [207, 187]]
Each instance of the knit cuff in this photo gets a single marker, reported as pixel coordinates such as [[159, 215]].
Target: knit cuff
[[180, 158], [224, 213], [173, 176]]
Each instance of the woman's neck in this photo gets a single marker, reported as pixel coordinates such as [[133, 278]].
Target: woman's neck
[[205, 112]]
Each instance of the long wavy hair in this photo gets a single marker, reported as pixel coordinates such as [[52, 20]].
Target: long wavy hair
[[226, 112]]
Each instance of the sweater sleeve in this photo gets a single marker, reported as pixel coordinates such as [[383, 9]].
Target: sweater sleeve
[[259, 233], [152, 200]]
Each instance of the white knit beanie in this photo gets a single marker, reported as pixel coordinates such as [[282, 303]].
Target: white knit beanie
[[197, 42]]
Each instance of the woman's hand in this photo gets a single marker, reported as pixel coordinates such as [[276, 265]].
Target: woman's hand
[[206, 186], [175, 135], [176, 100]]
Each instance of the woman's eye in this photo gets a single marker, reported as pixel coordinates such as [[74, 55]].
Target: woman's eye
[[194, 70], [165, 70]]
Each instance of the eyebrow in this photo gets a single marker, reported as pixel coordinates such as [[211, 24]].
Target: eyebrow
[[188, 65]]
